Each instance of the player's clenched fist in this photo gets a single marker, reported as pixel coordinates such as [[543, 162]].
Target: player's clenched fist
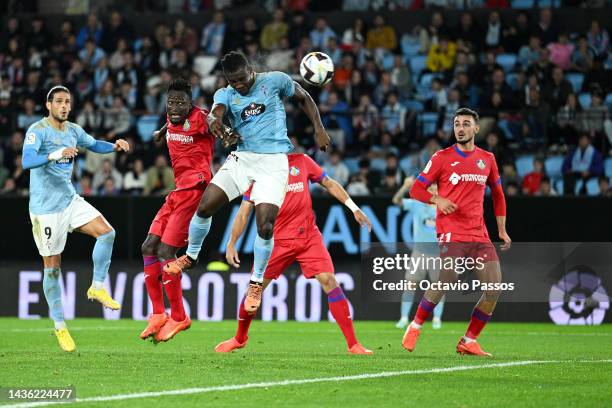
[[122, 146], [444, 204]]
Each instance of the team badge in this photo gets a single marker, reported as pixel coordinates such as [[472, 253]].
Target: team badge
[[236, 101], [481, 164], [294, 171], [186, 125]]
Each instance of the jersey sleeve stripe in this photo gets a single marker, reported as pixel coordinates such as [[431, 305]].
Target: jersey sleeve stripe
[[422, 179], [321, 177]]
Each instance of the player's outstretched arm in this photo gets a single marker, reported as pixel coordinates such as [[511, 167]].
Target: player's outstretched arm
[[336, 190], [238, 226], [403, 190], [308, 105], [102, 147], [31, 159]]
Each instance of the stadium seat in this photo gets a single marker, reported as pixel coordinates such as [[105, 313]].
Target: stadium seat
[[507, 61], [146, 125], [352, 163], [592, 186], [558, 185], [585, 99], [417, 65], [578, 186], [608, 101], [608, 167], [410, 49], [412, 105], [428, 123], [425, 82], [524, 165], [378, 165], [512, 80], [553, 167], [409, 164], [548, 3], [522, 4], [576, 79]]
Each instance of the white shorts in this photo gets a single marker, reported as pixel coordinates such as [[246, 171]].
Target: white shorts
[[51, 230], [267, 173]]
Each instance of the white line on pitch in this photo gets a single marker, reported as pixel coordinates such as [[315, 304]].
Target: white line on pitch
[[237, 387]]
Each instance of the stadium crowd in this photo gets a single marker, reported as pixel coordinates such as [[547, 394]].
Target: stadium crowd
[[544, 94]]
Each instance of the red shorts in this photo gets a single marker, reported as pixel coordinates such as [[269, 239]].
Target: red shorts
[[172, 220], [310, 252], [458, 245]]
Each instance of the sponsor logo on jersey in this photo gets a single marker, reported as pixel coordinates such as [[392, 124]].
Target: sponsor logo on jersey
[[186, 125], [30, 138], [481, 164], [478, 178], [177, 137], [295, 187], [253, 109], [294, 171]]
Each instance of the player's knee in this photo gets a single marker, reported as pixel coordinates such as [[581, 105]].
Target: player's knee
[[204, 211], [108, 236], [328, 281], [165, 252], [266, 230], [148, 248], [492, 295]]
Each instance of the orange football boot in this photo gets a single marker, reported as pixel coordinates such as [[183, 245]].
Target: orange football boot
[[410, 338], [180, 264], [359, 349], [252, 301], [471, 348], [230, 345], [171, 328], [155, 322]]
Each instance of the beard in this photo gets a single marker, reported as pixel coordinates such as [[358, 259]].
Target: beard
[[59, 118], [465, 141]]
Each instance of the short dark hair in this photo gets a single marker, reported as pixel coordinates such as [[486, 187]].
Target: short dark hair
[[180, 85], [233, 61], [56, 89], [467, 112]]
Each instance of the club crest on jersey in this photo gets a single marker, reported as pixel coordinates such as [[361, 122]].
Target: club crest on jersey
[[253, 109], [294, 171], [186, 125], [236, 101], [481, 164]]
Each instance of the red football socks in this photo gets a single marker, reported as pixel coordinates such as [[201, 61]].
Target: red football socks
[[477, 323], [152, 273], [174, 292], [244, 322], [423, 312], [339, 308]]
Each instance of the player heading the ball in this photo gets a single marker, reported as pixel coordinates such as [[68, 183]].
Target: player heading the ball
[[253, 104], [56, 209]]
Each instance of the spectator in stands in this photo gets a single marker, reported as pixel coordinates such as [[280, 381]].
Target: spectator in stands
[[13, 149], [437, 98], [582, 57], [160, 178], [512, 189], [568, 120], [530, 53], [441, 57], [389, 183], [357, 186], [493, 36], [28, 116], [39, 37], [561, 52], [274, 31], [146, 57], [185, 37], [532, 180], [321, 33], [383, 89], [91, 54], [108, 188], [595, 116], [536, 114], [336, 169], [92, 29], [117, 28], [558, 89], [10, 188], [381, 36], [604, 187], [546, 188], [517, 34], [107, 170], [598, 39], [468, 32], [4, 172], [334, 52], [357, 32], [83, 188], [298, 29], [135, 179], [546, 29], [335, 114], [116, 119], [581, 163], [393, 115], [213, 35], [493, 144]]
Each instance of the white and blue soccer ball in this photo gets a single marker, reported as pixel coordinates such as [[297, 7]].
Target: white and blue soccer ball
[[317, 68]]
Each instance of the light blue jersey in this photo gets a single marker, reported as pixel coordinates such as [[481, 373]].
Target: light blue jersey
[[423, 224], [51, 189], [259, 117]]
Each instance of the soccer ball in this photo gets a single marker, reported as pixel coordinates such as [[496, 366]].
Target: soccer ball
[[317, 68]]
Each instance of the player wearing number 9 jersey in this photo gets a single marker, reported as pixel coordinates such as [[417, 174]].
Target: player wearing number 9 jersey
[[462, 173], [49, 150]]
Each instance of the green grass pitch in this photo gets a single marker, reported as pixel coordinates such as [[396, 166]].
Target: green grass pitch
[[533, 365]]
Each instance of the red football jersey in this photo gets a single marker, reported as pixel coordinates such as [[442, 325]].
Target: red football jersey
[[462, 177], [191, 149], [296, 217]]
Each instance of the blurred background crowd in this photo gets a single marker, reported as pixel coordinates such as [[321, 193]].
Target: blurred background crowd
[[544, 92]]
